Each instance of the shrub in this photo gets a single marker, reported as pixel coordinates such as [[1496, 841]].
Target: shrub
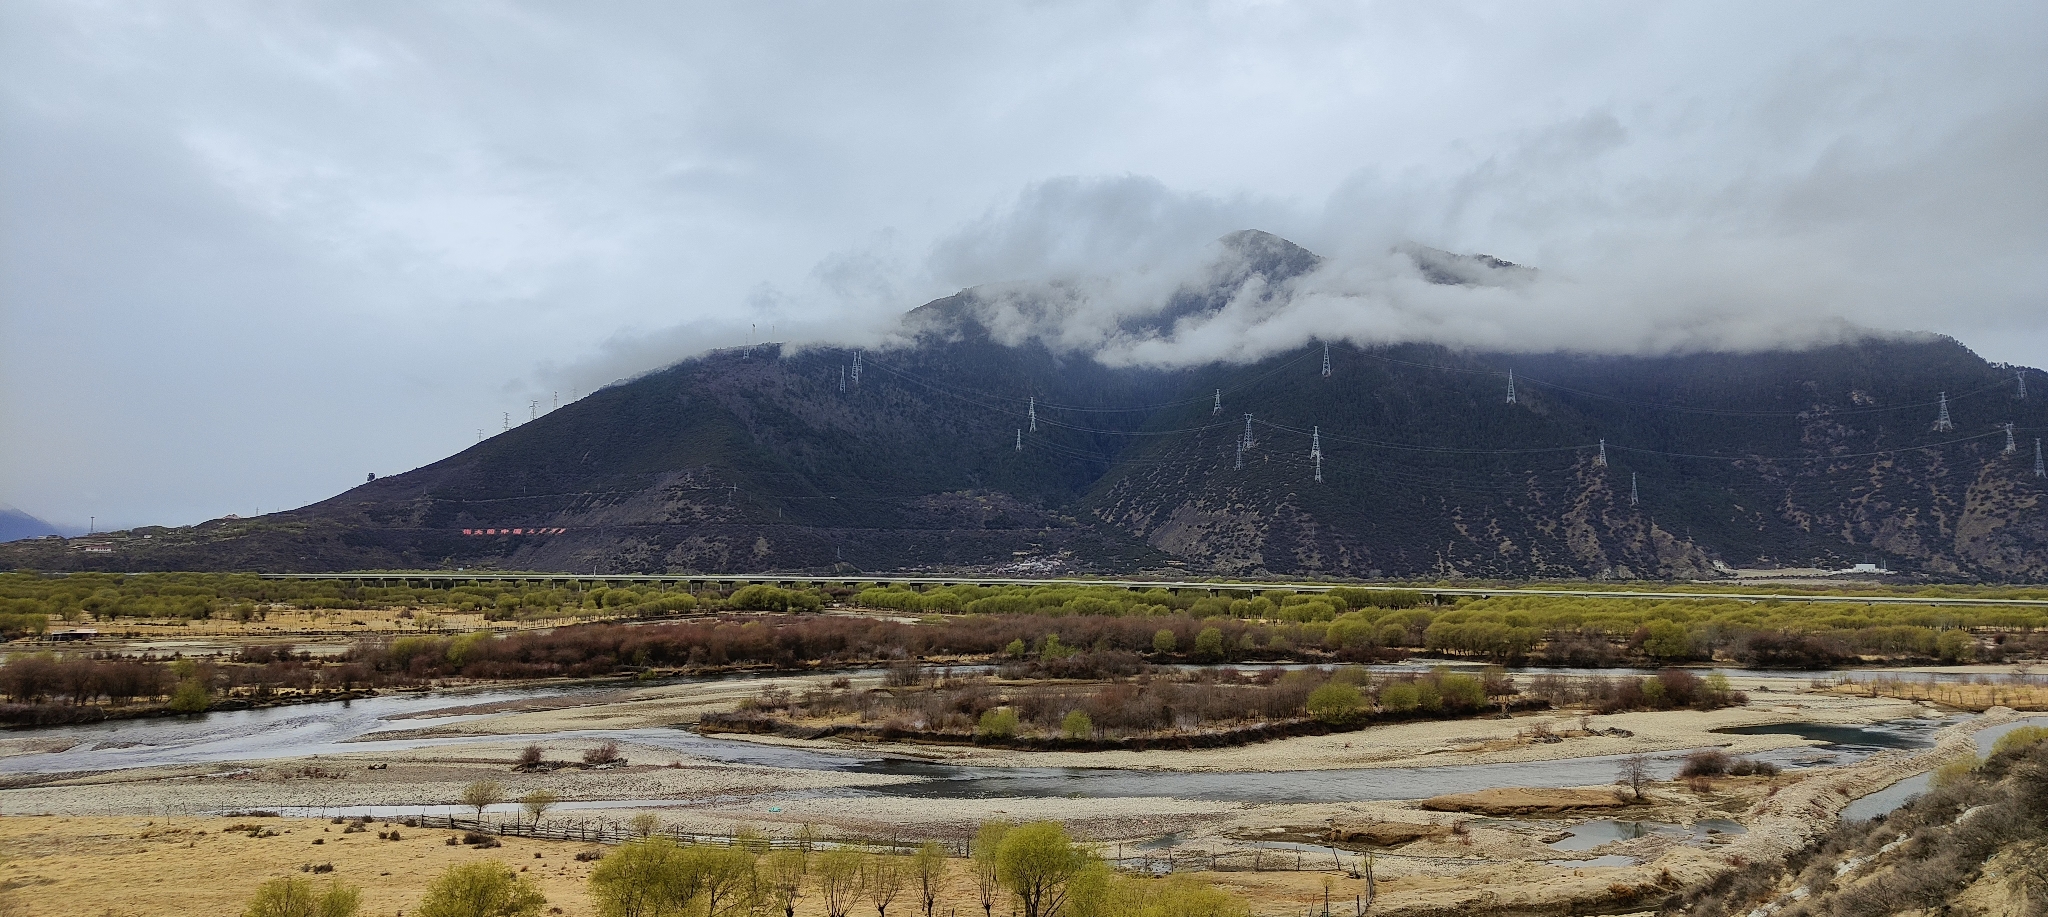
[[770, 598], [1460, 692], [1400, 697], [1955, 646], [482, 889], [1750, 767], [1709, 763], [296, 897], [190, 697], [1209, 644], [607, 753], [2023, 737], [1790, 650], [1077, 725], [631, 880], [1954, 772], [1163, 641], [1000, 723], [905, 674], [1334, 703]]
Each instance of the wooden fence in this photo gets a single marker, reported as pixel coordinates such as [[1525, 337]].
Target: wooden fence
[[618, 831]]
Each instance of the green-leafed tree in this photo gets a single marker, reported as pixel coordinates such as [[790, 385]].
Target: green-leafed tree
[[482, 889]]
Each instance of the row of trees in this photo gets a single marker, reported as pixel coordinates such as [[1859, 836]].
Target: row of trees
[[1114, 600], [1154, 703], [1037, 867], [186, 685], [1562, 630], [779, 641], [1345, 621], [28, 600]]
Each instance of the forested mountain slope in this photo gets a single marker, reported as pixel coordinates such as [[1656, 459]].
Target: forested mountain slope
[[749, 460]]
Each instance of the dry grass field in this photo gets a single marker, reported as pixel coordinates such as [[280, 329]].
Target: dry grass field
[[143, 867], [199, 867]]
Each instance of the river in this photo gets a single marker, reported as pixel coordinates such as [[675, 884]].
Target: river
[[340, 727]]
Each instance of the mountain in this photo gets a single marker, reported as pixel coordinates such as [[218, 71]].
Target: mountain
[[16, 525], [756, 460]]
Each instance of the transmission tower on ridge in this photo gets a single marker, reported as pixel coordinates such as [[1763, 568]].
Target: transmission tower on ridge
[[1941, 421], [1240, 457], [2022, 376], [1632, 498], [1020, 439], [856, 367], [1248, 441], [1326, 360], [1034, 413], [1218, 409], [1511, 386], [2010, 446], [1600, 461], [2040, 470], [842, 378], [1315, 451]]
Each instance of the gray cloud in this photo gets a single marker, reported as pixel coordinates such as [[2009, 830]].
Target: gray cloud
[[251, 251]]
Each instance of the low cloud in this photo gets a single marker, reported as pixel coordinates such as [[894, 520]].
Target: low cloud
[[1888, 235], [358, 237]]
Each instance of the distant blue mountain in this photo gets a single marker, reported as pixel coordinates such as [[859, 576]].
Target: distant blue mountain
[[16, 525]]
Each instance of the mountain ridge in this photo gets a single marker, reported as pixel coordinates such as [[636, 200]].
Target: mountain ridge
[[750, 460]]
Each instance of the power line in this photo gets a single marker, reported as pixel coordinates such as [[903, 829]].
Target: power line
[[1248, 440], [1086, 409], [1666, 405]]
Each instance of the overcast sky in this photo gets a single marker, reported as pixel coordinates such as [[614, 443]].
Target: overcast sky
[[251, 251]]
